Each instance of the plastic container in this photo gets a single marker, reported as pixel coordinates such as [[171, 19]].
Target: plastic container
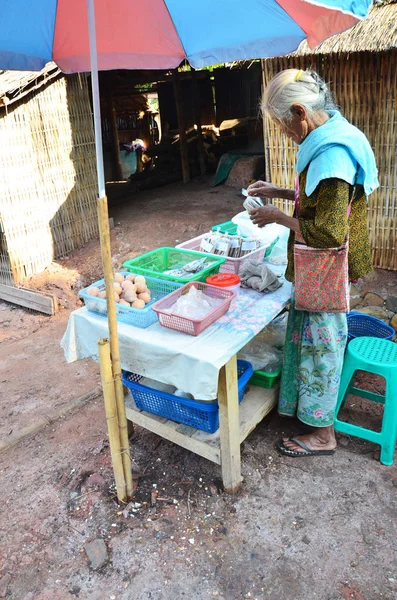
[[192, 326], [154, 264], [225, 281], [265, 380], [139, 317], [228, 227], [195, 413], [360, 324], [231, 265]]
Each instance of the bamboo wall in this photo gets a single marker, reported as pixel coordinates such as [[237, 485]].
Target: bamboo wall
[[47, 178], [365, 87]]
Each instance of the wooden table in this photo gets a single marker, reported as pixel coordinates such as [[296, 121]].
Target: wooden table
[[179, 360]]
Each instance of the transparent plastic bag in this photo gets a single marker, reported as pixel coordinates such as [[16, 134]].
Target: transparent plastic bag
[[262, 356], [274, 334]]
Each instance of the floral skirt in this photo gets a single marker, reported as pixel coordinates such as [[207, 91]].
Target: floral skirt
[[313, 360]]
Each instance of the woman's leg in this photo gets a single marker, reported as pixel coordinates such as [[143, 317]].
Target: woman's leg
[[289, 396], [324, 340]]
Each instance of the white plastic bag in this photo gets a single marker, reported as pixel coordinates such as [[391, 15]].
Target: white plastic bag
[[246, 227]]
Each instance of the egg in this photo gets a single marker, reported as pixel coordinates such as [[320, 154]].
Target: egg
[[119, 278], [117, 288], [131, 277], [140, 280], [93, 291], [129, 296], [145, 297], [124, 302], [116, 297], [102, 294], [127, 284], [141, 288], [138, 303]]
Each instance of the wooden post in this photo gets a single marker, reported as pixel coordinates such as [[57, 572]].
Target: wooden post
[[197, 118], [109, 396], [180, 111], [114, 137], [229, 425], [103, 217]]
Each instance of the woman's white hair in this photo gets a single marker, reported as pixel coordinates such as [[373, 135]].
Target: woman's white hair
[[294, 86]]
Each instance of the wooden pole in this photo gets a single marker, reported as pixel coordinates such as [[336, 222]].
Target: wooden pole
[[114, 135], [180, 111], [109, 396], [197, 118], [229, 426], [104, 232]]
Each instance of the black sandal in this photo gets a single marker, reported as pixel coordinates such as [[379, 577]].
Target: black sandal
[[308, 451]]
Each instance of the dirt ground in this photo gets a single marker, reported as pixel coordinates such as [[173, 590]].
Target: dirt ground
[[308, 529]]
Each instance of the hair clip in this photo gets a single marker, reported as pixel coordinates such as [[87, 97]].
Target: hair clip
[[298, 75]]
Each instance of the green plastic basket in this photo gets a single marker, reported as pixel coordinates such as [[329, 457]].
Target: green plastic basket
[[154, 263], [265, 380], [228, 227]]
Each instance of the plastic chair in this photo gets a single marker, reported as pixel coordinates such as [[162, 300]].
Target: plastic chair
[[376, 356]]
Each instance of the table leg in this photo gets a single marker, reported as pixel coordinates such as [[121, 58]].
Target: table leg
[[229, 425]]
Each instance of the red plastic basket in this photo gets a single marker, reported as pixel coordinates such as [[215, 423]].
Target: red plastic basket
[[193, 326]]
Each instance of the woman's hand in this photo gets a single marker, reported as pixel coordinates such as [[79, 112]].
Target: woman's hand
[[266, 214], [263, 189]]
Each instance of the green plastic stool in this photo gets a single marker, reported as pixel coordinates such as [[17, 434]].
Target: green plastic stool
[[378, 356]]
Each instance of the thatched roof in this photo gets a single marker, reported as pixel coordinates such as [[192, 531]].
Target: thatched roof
[[16, 84], [377, 33]]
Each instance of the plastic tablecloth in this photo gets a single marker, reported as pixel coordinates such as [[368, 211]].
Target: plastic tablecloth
[[190, 363]]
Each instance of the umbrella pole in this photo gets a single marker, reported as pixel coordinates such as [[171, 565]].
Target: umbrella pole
[[104, 233]]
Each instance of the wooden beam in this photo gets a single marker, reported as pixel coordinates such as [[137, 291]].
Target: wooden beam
[[197, 113], [44, 303], [180, 111], [114, 137]]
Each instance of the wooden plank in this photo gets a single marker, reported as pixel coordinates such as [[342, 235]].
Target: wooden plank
[[169, 431], [258, 403], [229, 426], [34, 300]]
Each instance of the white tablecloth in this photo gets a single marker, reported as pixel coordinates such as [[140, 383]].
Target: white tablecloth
[[190, 363]]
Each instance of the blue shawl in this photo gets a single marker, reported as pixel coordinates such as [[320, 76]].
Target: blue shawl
[[337, 149]]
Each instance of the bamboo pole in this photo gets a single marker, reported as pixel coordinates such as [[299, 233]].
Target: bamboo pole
[[103, 218], [104, 232], [109, 396]]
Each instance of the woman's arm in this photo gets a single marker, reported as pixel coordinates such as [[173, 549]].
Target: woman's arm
[[264, 189], [324, 224], [271, 214]]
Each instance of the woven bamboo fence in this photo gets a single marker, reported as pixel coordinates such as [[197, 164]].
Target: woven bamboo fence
[[47, 177], [365, 87]]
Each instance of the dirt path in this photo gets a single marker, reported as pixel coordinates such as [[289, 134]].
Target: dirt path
[[313, 529]]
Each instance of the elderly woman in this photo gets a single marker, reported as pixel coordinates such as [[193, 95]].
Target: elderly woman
[[335, 166]]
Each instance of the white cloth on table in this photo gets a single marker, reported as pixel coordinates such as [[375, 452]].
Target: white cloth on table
[[189, 363]]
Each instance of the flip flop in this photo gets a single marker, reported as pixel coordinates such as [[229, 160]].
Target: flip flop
[[308, 451]]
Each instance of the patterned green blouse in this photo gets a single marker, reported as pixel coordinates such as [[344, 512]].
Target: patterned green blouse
[[324, 223]]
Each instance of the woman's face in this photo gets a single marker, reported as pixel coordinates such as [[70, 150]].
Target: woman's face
[[301, 124], [298, 127]]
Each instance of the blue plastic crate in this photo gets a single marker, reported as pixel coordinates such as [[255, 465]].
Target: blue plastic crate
[[200, 415], [139, 317], [360, 324]]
